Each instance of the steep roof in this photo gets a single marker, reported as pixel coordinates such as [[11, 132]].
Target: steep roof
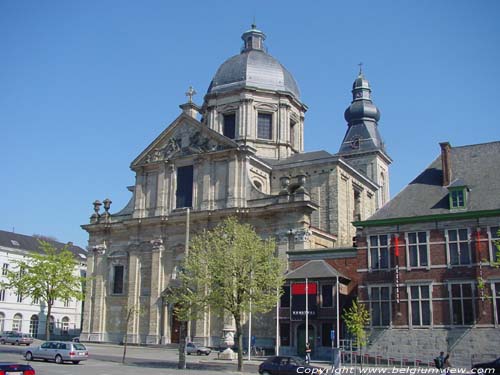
[[30, 243], [473, 166]]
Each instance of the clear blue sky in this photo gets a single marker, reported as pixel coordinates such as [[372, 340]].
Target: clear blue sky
[[85, 86]]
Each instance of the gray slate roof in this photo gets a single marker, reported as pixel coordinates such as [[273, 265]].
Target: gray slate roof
[[314, 269], [30, 243], [475, 166], [299, 158], [253, 68]]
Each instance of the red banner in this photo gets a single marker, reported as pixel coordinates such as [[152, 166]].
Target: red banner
[[300, 288]]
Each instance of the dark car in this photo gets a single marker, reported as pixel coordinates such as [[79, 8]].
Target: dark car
[[286, 365], [478, 367], [13, 368]]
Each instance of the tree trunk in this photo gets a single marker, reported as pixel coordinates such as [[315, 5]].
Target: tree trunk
[[182, 345], [47, 321], [125, 340], [240, 343]]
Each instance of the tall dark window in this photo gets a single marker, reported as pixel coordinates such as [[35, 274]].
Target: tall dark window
[[379, 252], [327, 295], [285, 297], [356, 214], [285, 334], [229, 127], [292, 133], [495, 238], [264, 126], [420, 305], [417, 249], [461, 304], [326, 339], [184, 193], [380, 305], [118, 279], [458, 245]]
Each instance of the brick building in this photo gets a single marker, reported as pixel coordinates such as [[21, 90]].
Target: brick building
[[426, 260]]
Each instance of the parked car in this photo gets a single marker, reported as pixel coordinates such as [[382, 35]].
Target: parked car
[[59, 351], [287, 365], [16, 368], [487, 365], [198, 349], [16, 338]]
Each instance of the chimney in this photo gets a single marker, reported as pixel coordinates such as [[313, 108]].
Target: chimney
[[446, 162]]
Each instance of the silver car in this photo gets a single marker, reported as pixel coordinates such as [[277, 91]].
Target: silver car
[[16, 338], [59, 351], [192, 348]]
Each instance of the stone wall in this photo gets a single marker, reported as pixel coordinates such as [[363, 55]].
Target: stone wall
[[425, 344]]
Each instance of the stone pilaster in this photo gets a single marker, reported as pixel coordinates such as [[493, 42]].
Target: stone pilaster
[[133, 297], [161, 201], [98, 308], [233, 183], [155, 300], [140, 199]]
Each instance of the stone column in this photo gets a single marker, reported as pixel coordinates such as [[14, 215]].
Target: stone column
[[161, 201], [133, 297], [139, 194], [155, 301], [98, 314], [233, 183], [171, 185], [89, 301]]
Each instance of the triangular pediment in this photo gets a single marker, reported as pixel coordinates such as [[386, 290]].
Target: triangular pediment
[[184, 136]]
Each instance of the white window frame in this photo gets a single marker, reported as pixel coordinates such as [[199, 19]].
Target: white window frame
[[370, 299], [492, 237], [473, 299], [496, 317], [410, 300], [427, 241], [448, 253], [5, 268], [389, 244]]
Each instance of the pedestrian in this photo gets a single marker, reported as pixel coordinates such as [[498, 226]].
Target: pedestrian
[[439, 361], [308, 352], [447, 364]]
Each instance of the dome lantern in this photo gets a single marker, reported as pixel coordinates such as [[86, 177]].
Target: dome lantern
[[253, 39]]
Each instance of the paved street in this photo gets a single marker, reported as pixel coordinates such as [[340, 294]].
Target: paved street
[[106, 360]]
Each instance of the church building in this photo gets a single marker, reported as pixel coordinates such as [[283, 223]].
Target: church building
[[241, 153]]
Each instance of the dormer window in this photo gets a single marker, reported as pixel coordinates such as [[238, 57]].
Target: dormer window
[[457, 198]]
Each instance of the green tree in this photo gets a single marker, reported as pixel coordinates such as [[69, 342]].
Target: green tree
[[46, 277], [230, 270], [356, 318]]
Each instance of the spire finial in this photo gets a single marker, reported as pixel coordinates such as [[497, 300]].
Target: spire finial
[[254, 25], [190, 93], [360, 69]]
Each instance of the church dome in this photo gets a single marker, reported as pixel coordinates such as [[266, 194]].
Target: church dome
[[253, 68]]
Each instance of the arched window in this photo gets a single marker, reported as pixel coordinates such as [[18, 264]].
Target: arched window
[[34, 325], [17, 323], [65, 325], [2, 321]]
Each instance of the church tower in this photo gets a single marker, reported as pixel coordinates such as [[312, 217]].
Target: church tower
[[363, 147], [254, 100]]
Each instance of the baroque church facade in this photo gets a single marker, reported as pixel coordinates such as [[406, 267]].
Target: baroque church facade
[[240, 154]]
